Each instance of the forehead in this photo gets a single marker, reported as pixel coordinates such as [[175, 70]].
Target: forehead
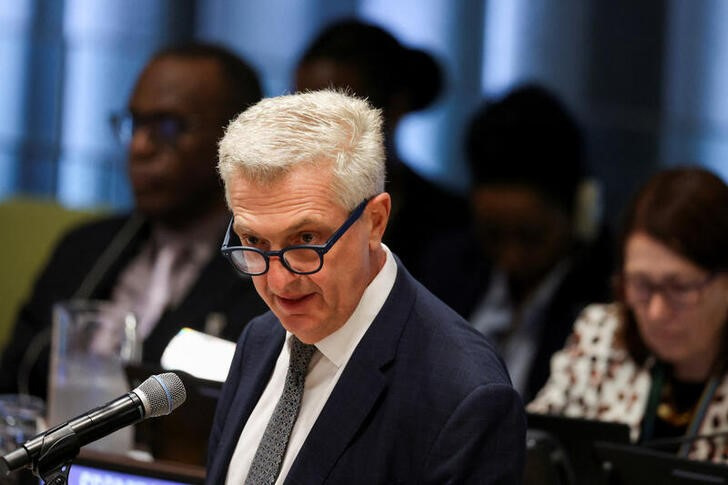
[[647, 255], [509, 202], [176, 84], [305, 193]]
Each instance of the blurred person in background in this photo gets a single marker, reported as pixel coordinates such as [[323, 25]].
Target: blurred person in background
[[656, 358], [160, 261], [525, 268], [372, 63]]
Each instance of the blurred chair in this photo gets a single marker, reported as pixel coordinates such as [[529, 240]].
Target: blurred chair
[[29, 229]]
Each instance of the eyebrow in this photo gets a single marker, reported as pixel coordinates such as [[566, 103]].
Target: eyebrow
[[668, 277], [239, 228]]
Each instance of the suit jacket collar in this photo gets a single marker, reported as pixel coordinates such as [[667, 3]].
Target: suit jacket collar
[[363, 380]]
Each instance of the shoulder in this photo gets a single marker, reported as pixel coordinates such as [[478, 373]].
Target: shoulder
[[79, 247], [457, 382], [593, 341], [444, 337], [596, 329], [95, 232]]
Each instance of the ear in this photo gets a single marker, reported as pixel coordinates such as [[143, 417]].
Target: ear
[[378, 210]]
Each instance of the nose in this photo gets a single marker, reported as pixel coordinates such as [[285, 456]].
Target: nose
[[142, 143], [658, 306], [278, 276]]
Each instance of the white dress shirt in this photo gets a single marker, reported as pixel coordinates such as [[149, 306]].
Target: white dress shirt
[[327, 364]]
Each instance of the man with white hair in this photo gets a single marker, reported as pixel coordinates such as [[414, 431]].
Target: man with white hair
[[357, 374]]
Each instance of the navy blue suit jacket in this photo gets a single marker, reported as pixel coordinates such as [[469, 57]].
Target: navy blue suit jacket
[[423, 399]]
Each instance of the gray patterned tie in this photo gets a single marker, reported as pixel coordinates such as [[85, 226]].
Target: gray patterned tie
[[268, 457]]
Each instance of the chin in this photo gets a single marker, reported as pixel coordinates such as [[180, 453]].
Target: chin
[[671, 354], [297, 324], [307, 328], [150, 207]]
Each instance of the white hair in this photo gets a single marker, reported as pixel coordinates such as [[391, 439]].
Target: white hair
[[326, 128]]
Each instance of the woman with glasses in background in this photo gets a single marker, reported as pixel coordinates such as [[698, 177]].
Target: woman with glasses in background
[[656, 359]]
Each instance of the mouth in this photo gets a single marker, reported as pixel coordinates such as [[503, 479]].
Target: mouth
[[668, 335], [293, 304], [143, 181]]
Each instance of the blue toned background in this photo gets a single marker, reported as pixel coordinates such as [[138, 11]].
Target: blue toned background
[[646, 79]]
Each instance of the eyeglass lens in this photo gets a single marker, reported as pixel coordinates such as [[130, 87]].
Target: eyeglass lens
[[640, 290], [300, 260], [162, 127]]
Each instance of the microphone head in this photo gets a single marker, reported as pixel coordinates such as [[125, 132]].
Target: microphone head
[[161, 394]]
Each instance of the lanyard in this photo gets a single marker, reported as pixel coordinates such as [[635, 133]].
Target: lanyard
[[700, 413], [653, 401]]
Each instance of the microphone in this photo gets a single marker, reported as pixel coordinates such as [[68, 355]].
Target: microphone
[[159, 395]]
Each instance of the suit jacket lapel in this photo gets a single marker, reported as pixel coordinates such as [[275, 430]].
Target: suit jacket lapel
[[358, 389], [261, 352]]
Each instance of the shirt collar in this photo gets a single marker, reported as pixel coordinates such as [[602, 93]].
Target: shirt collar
[[339, 346]]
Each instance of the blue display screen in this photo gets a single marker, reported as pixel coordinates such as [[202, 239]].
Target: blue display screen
[[83, 475]]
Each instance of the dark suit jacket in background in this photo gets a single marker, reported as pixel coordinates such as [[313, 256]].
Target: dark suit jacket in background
[[459, 275], [217, 290], [423, 399]]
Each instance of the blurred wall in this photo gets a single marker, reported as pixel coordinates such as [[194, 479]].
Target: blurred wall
[[645, 79]]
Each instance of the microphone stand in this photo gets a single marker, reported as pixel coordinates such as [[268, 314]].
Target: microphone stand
[[57, 452]]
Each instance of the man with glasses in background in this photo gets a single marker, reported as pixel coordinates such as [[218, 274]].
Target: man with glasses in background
[[358, 374], [162, 260]]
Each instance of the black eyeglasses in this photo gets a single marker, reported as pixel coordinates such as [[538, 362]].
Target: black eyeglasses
[[299, 259], [162, 128], [639, 290]]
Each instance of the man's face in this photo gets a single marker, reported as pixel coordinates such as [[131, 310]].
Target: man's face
[[521, 232], [302, 209], [173, 152]]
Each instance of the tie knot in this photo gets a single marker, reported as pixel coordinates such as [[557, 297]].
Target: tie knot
[[300, 355]]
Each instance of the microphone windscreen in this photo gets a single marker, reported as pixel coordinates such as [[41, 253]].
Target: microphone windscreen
[[161, 394]]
